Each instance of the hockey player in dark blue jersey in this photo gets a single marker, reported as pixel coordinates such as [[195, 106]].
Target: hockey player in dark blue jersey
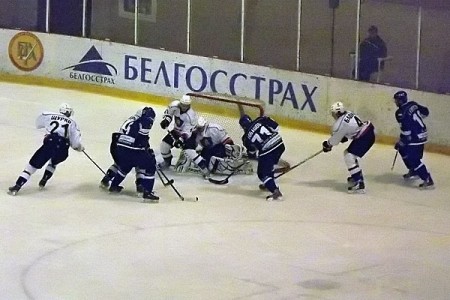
[[261, 136], [413, 136], [133, 150]]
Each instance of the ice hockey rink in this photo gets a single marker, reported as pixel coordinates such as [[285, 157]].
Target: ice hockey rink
[[76, 241]]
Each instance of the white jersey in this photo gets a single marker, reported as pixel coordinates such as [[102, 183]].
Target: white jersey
[[184, 122], [348, 125], [212, 134], [61, 125]]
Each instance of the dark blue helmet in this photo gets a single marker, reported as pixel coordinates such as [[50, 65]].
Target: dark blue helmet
[[400, 98], [148, 113], [245, 121]]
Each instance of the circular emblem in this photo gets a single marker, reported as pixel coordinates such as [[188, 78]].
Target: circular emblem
[[26, 51]]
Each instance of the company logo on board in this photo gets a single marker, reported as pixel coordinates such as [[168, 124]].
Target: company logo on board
[[93, 68], [26, 51]]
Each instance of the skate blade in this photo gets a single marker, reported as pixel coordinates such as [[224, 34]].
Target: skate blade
[[360, 191], [12, 193], [429, 187], [150, 201]]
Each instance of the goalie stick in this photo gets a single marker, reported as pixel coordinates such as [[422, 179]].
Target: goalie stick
[[298, 164]]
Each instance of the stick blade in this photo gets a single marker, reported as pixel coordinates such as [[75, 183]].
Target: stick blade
[[220, 182]]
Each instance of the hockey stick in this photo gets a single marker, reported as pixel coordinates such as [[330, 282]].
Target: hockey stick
[[94, 162], [395, 159], [225, 180], [298, 164], [165, 183], [169, 182]]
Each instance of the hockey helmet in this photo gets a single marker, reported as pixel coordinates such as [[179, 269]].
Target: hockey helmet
[[337, 109], [66, 110], [245, 121], [401, 97], [148, 113], [186, 100], [201, 122]]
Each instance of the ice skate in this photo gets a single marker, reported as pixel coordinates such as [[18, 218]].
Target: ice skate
[[411, 175], [115, 189], [276, 196], [262, 187], [427, 184], [350, 181], [13, 190], [357, 188], [104, 183], [150, 197], [42, 184], [139, 190]]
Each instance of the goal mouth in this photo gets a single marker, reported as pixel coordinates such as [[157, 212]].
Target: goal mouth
[[226, 110], [227, 105]]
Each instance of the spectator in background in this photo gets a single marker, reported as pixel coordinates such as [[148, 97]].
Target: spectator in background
[[372, 48]]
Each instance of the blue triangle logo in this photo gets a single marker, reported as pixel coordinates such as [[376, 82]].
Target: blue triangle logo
[[92, 62]]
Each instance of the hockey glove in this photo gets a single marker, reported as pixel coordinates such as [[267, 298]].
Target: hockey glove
[[326, 147], [165, 123], [344, 139], [178, 144], [80, 148], [399, 145], [150, 151]]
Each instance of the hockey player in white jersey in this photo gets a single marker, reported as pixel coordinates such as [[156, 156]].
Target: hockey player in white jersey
[[62, 132], [184, 120], [211, 150], [349, 126]]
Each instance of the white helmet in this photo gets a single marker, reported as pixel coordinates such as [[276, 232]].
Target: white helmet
[[186, 100], [201, 122], [66, 109], [337, 107]]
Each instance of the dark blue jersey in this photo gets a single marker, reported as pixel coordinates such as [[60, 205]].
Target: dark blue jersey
[[134, 132], [413, 130], [262, 135]]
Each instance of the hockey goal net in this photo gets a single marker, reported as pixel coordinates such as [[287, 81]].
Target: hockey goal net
[[226, 110]]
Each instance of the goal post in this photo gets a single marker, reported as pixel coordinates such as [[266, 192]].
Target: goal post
[[226, 110]]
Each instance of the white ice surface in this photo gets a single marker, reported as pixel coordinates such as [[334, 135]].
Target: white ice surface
[[75, 241]]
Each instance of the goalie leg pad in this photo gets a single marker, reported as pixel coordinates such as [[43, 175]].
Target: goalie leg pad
[[186, 164], [234, 151], [226, 166]]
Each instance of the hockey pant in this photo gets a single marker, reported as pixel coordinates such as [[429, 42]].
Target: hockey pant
[[356, 150], [55, 149], [412, 157], [266, 163], [129, 158]]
